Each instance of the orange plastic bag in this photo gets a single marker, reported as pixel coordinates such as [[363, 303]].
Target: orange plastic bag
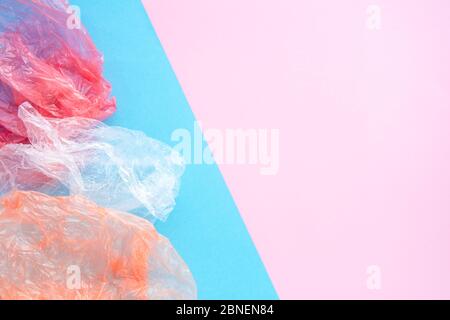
[[56, 68], [70, 248]]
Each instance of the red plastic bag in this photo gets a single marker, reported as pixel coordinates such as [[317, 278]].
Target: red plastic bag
[[49, 64]]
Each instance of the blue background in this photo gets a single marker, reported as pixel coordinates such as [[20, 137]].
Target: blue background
[[205, 227]]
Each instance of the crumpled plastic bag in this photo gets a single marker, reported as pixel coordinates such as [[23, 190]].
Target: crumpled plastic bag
[[114, 167], [70, 248], [56, 68]]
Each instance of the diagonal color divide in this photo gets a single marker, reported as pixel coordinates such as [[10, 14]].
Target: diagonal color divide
[[205, 227], [362, 104]]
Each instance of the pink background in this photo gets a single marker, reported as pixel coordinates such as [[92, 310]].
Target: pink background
[[364, 121]]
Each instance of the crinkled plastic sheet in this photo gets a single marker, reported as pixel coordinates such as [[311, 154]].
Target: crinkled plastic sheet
[[114, 167], [70, 248], [56, 68]]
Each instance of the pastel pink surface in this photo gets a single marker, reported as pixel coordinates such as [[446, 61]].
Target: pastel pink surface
[[364, 122]]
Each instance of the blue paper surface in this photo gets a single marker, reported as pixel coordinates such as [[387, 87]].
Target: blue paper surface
[[205, 227]]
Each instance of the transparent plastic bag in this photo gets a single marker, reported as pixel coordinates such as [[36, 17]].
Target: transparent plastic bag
[[114, 167], [56, 68], [70, 248]]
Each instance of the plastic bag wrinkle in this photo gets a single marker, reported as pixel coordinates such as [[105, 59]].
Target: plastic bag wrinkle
[[115, 167], [116, 255], [56, 69]]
